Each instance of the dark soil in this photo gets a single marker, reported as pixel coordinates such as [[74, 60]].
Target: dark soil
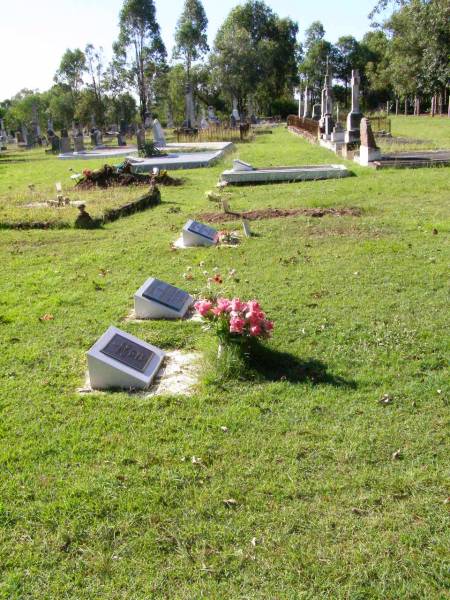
[[122, 176], [278, 213]]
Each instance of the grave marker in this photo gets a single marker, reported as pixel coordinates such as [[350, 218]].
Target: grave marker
[[246, 226], [119, 360], [198, 234], [156, 299]]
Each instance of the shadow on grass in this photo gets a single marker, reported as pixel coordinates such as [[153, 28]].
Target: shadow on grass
[[272, 365]]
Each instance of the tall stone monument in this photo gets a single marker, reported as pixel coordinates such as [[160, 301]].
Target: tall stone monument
[[326, 121], [298, 93], [368, 151], [354, 116]]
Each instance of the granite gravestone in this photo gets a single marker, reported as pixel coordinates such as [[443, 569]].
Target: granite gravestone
[[368, 151], [119, 360], [354, 116], [157, 299], [65, 142], [158, 134], [198, 234]]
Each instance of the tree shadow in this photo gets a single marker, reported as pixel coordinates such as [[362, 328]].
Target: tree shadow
[[272, 365]]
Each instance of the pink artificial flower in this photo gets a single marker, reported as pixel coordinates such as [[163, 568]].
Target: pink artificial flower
[[253, 306], [237, 325], [223, 304], [255, 317], [203, 307], [237, 305], [256, 330]]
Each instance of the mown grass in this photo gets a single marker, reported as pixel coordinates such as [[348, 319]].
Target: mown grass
[[99, 495], [424, 133]]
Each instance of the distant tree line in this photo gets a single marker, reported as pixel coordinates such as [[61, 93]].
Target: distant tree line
[[255, 62]]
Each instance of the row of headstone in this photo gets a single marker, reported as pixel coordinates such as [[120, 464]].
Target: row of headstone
[[323, 112], [120, 360]]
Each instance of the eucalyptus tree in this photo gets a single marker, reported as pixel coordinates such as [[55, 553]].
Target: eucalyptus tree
[[191, 41], [139, 52]]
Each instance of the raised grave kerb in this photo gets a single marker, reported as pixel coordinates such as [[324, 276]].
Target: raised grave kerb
[[156, 299], [119, 360], [198, 234]]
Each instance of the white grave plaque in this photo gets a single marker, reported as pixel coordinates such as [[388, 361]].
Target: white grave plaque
[[159, 300], [119, 360], [58, 187], [198, 234]]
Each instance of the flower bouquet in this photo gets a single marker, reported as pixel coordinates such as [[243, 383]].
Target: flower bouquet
[[236, 323]]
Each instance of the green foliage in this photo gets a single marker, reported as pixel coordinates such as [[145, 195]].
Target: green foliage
[[190, 36], [71, 69], [255, 53], [149, 149], [139, 51]]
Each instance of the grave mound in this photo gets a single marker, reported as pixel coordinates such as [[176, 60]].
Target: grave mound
[[109, 176], [278, 213]]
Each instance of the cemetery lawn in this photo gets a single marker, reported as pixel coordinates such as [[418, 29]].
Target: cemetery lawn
[[422, 133], [317, 488]]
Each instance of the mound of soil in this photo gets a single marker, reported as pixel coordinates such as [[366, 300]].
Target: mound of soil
[[279, 213], [109, 176]]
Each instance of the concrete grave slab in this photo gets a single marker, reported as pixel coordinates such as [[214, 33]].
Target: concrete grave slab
[[119, 360], [278, 174], [156, 299]]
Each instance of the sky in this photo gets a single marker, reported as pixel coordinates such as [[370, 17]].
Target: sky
[[35, 34]]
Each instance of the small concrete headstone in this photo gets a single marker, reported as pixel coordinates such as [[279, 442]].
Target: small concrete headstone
[[198, 234], [156, 299], [119, 360], [225, 205], [58, 187], [240, 165], [368, 151]]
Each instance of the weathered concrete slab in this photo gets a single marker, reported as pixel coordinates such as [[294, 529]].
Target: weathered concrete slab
[[103, 153], [182, 160], [413, 160], [279, 174]]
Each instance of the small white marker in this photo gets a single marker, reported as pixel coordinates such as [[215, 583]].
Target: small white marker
[[225, 205], [246, 226], [58, 187]]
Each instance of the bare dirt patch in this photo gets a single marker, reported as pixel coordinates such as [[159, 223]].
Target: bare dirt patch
[[109, 176], [279, 213]]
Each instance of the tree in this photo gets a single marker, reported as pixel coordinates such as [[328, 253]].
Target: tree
[[190, 35], [317, 52], [255, 54], [139, 51], [71, 69], [95, 68]]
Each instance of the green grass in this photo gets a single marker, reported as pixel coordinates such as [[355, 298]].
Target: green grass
[[425, 133], [99, 497]]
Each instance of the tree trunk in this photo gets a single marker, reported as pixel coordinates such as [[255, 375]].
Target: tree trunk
[[441, 104], [433, 106], [396, 106], [406, 107]]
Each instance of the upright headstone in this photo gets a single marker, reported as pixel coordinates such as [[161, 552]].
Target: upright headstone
[[316, 112], [354, 116], [326, 122], [170, 123], [307, 104], [99, 138], [140, 137], [235, 111], [158, 134], [368, 151], [121, 136], [78, 141], [25, 135], [65, 142], [3, 136], [212, 118], [204, 123]]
